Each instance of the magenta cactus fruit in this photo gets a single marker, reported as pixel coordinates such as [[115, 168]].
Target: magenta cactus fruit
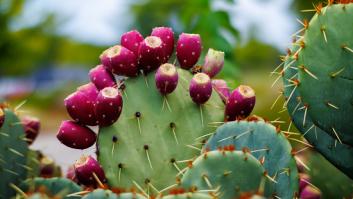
[[131, 40], [166, 78], [151, 53], [221, 88], [31, 126], [70, 174], [89, 90], [75, 135], [2, 117], [214, 62], [80, 106], [303, 181], [188, 50], [200, 88], [310, 193], [87, 169], [109, 106], [240, 103], [167, 36], [120, 60], [101, 77]]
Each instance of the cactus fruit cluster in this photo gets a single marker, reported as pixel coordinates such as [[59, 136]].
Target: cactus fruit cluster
[[317, 76]]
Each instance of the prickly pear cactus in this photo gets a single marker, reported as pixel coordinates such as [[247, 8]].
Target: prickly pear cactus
[[339, 154], [265, 143], [155, 137], [325, 69], [13, 150], [228, 172]]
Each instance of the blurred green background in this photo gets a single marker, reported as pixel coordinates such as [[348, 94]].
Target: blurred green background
[[48, 46]]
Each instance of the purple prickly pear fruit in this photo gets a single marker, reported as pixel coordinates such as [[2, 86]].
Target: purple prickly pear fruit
[[221, 88], [188, 49], [131, 40], [167, 36], [75, 135], [90, 90], [80, 107], [303, 181], [2, 117], [109, 106], [214, 62], [151, 53], [166, 78], [120, 60], [70, 174], [310, 193], [31, 126], [85, 169], [200, 88], [240, 103], [101, 77]]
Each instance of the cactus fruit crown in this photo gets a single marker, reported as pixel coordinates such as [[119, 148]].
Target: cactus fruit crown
[[201, 78], [246, 91], [168, 69], [153, 41]]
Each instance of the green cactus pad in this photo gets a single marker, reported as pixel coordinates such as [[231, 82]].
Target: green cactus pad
[[52, 186], [145, 131], [265, 143], [188, 196], [232, 172], [13, 150], [340, 155], [131, 196], [101, 193], [326, 71], [33, 162], [37, 196]]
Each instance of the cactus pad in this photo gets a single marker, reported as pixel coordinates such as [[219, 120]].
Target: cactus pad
[[147, 140], [265, 144], [13, 150], [326, 70], [232, 172], [188, 196]]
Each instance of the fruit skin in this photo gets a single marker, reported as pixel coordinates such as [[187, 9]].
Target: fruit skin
[[226, 169], [240, 103], [108, 107], [166, 78], [32, 127], [101, 77], [131, 40], [80, 104], [75, 135], [2, 117], [188, 50], [310, 193], [303, 181], [200, 88], [269, 146], [120, 61], [70, 174], [220, 86], [214, 62], [167, 36], [151, 53], [84, 169]]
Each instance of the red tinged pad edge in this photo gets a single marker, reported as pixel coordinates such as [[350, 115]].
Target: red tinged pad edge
[[2, 117], [214, 62], [31, 126], [166, 78], [200, 88], [101, 77], [109, 106], [131, 40], [310, 192], [166, 34], [120, 61], [188, 50], [303, 181], [221, 88], [75, 135], [240, 103], [85, 169], [151, 53]]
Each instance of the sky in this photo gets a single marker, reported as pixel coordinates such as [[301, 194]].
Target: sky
[[103, 21]]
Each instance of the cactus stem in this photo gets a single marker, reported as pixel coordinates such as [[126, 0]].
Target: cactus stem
[[336, 134], [205, 178], [146, 147], [139, 187], [16, 152], [98, 180], [301, 162], [18, 190], [332, 105], [193, 147], [4, 134], [169, 187], [302, 142]]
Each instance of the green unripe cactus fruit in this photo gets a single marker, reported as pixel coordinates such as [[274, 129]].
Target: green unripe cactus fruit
[[144, 147], [232, 172], [326, 70], [266, 144], [13, 150]]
